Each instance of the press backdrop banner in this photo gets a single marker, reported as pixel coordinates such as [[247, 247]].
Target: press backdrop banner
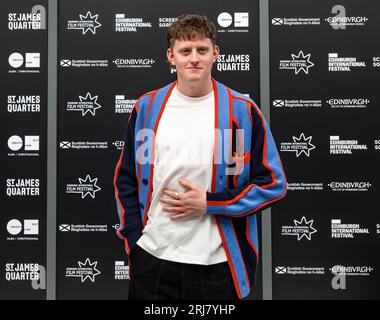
[[23, 114], [325, 72], [111, 53]]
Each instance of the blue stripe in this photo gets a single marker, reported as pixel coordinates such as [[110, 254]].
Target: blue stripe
[[237, 260], [223, 123]]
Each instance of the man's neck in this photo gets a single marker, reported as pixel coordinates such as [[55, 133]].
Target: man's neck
[[195, 89]]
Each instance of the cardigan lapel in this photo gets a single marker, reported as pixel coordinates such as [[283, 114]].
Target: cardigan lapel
[[153, 119]]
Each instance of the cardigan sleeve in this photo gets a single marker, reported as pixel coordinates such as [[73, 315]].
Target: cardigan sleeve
[[267, 183], [126, 189]]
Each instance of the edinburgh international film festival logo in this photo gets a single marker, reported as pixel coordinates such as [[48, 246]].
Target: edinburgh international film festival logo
[[87, 186], [300, 62], [86, 23], [301, 229], [87, 104], [85, 270], [300, 145]]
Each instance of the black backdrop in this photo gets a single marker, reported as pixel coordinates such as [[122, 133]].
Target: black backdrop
[[128, 31], [324, 72], [23, 114], [328, 218]]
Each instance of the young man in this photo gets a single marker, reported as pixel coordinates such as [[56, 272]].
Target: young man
[[199, 162]]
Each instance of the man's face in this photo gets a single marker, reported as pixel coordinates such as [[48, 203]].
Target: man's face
[[193, 59]]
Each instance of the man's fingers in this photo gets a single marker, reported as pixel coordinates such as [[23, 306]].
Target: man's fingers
[[172, 193], [179, 216], [173, 209], [171, 201]]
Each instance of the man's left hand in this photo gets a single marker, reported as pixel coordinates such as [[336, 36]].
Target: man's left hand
[[191, 203]]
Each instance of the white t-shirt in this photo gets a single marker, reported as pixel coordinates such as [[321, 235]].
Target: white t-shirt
[[183, 150]]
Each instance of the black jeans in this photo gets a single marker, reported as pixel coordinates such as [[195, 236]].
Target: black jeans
[[156, 279]]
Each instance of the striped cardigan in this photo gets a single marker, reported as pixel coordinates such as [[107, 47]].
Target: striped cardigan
[[247, 175]]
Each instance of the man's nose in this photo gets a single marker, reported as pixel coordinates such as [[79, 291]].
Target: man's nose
[[194, 56]]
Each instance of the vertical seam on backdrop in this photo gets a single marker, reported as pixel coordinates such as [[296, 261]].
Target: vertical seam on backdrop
[[51, 197], [265, 108]]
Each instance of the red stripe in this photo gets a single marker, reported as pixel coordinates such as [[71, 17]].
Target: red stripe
[[213, 183], [249, 113], [119, 201], [230, 137], [153, 150], [238, 152], [233, 273]]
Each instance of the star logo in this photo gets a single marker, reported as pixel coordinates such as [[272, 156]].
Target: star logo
[[90, 268], [305, 228], [307, 148], [299, 145], [89, 104], [88, 186], [303, 62], [91, 22], [86, 270]]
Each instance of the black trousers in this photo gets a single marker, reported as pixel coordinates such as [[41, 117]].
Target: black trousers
[[156, 279]]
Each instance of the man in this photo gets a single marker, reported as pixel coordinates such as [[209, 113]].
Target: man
[[198, 164]]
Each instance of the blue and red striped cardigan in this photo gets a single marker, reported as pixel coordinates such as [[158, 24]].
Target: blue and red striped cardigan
[[258, 182]]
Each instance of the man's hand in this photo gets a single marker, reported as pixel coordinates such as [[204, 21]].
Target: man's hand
[[191, 203]]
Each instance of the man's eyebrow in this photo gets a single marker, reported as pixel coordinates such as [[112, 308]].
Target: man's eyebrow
[[188, 48]]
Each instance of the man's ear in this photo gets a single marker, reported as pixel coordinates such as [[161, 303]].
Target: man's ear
[[216, 52], [169, 55]]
